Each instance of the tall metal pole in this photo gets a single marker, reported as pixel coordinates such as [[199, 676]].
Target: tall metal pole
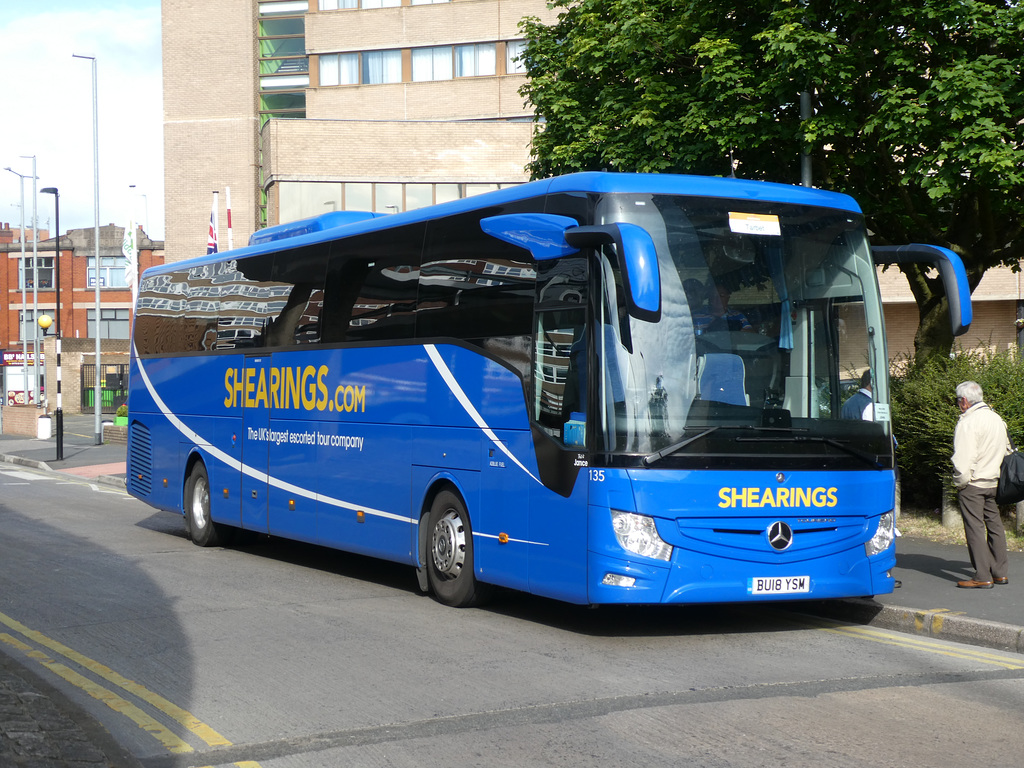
[[24, 287], [59, 413], [97, 390], [805, 157], [35, 283]]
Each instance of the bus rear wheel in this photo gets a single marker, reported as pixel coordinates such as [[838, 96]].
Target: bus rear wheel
[[198, 520], [450, 554]]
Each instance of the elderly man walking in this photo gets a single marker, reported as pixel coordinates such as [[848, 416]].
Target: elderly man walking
[[980, 442]]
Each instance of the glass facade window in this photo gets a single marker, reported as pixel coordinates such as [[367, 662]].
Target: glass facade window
[[358, 196], [418, 196], [514, 49], [111, 272], [475, 60], [382, 67], [339, 69], [43, 269], [114, 324], [432, 63], [304, 199], [283, 65], [387, 198], [29, 327]]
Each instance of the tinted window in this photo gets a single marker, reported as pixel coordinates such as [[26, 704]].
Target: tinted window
[[371, 286], [472, 286]]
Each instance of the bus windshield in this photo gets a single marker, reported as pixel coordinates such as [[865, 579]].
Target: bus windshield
[[770, 317]]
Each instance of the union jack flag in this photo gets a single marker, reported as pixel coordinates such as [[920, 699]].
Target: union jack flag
[[211, 238]]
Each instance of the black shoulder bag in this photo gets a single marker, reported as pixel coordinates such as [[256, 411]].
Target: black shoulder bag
[[1010, 489]]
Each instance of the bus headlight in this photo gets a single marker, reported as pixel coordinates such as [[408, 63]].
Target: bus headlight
[[884, 536], [637, 533]]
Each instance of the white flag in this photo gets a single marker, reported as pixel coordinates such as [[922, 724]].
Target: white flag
[[131, 258]]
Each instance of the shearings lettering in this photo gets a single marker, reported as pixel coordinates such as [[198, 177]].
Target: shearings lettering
[[306, 388], [731, 498]]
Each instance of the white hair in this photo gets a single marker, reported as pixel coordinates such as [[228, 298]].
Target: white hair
[[970, 391]]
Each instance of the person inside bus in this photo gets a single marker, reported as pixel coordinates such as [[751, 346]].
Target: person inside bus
[[719, 316], [574, 397], [860, 405]]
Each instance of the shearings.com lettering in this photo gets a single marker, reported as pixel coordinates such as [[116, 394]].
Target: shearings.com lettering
[[301, 388], [778, 497]]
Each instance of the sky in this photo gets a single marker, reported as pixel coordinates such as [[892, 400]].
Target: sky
[[48, 111]]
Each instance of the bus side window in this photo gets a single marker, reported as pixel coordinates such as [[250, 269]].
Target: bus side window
[[370, 293], [299, 276], [560, 382]]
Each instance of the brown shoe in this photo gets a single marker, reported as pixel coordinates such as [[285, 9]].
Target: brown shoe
[[972, 584], [1000, 580]]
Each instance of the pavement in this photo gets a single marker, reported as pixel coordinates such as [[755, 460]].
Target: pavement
[[42, 729]]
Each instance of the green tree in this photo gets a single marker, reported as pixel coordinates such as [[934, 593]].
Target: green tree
[[917, 110]]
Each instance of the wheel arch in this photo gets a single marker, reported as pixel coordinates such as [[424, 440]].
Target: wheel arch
[[442, 481], [194, 457]]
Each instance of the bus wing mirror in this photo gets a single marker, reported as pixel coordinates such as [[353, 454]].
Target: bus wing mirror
[[542, 234], [639, 263], [951, 271]]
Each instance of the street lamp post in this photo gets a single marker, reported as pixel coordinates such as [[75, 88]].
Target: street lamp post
[[97, 390], [35, 282], [24, 287], [59, 413]]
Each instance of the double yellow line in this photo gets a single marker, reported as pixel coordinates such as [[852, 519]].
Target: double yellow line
[[939, 647], [170, 740]]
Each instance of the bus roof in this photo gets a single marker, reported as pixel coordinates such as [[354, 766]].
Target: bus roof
[[330, 226]]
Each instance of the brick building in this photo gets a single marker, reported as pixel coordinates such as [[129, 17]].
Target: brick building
[[307, 106], [19, 309]]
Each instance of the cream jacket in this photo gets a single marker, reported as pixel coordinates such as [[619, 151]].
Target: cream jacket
[[979, 445]]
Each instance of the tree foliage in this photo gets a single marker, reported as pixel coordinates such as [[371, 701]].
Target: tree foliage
[[924, 413], [918, 109]]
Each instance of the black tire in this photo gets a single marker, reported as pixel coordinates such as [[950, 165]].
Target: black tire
[[450, 554], [198, 521]]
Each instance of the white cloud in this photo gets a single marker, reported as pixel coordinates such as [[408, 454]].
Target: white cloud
[[49, 104]]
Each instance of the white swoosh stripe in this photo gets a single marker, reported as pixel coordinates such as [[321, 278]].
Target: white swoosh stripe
[[245, 469], [460, 395]]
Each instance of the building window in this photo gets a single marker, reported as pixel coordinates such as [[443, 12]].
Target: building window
[[514, 64], [382, 67], [43, 270], [283, 65], [334, 5], [114, 324], [381, 3], [339, 69], [30, 329], [474, 60], [111, 272], [432, 63]]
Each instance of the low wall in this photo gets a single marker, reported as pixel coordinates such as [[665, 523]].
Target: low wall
[[115, 434], [22, 420]]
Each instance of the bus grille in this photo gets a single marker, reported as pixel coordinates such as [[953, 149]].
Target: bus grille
[[140, 459]]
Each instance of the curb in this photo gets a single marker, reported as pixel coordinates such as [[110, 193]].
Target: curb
[[941, 624], [111, 480]]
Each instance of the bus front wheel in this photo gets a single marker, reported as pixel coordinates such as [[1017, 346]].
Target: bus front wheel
[[450, 553], [198, 521]]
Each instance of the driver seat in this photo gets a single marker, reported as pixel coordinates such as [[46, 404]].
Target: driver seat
[[721, 377]]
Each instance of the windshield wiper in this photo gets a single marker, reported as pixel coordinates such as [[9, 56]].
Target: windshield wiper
[[653, 457], [871, 460]]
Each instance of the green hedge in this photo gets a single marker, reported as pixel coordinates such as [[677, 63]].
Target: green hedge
[[924, 414]]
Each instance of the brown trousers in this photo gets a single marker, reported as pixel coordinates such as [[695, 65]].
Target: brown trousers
[[986, 539]]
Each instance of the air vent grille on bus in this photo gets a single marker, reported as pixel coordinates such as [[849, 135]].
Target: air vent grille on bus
[[140, 459]]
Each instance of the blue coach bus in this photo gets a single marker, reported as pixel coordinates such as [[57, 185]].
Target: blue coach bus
[[600, 388]]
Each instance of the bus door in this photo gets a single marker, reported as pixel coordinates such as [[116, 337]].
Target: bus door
[[256, 439]]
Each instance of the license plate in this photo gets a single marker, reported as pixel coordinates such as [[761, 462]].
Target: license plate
[[779, 585]]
